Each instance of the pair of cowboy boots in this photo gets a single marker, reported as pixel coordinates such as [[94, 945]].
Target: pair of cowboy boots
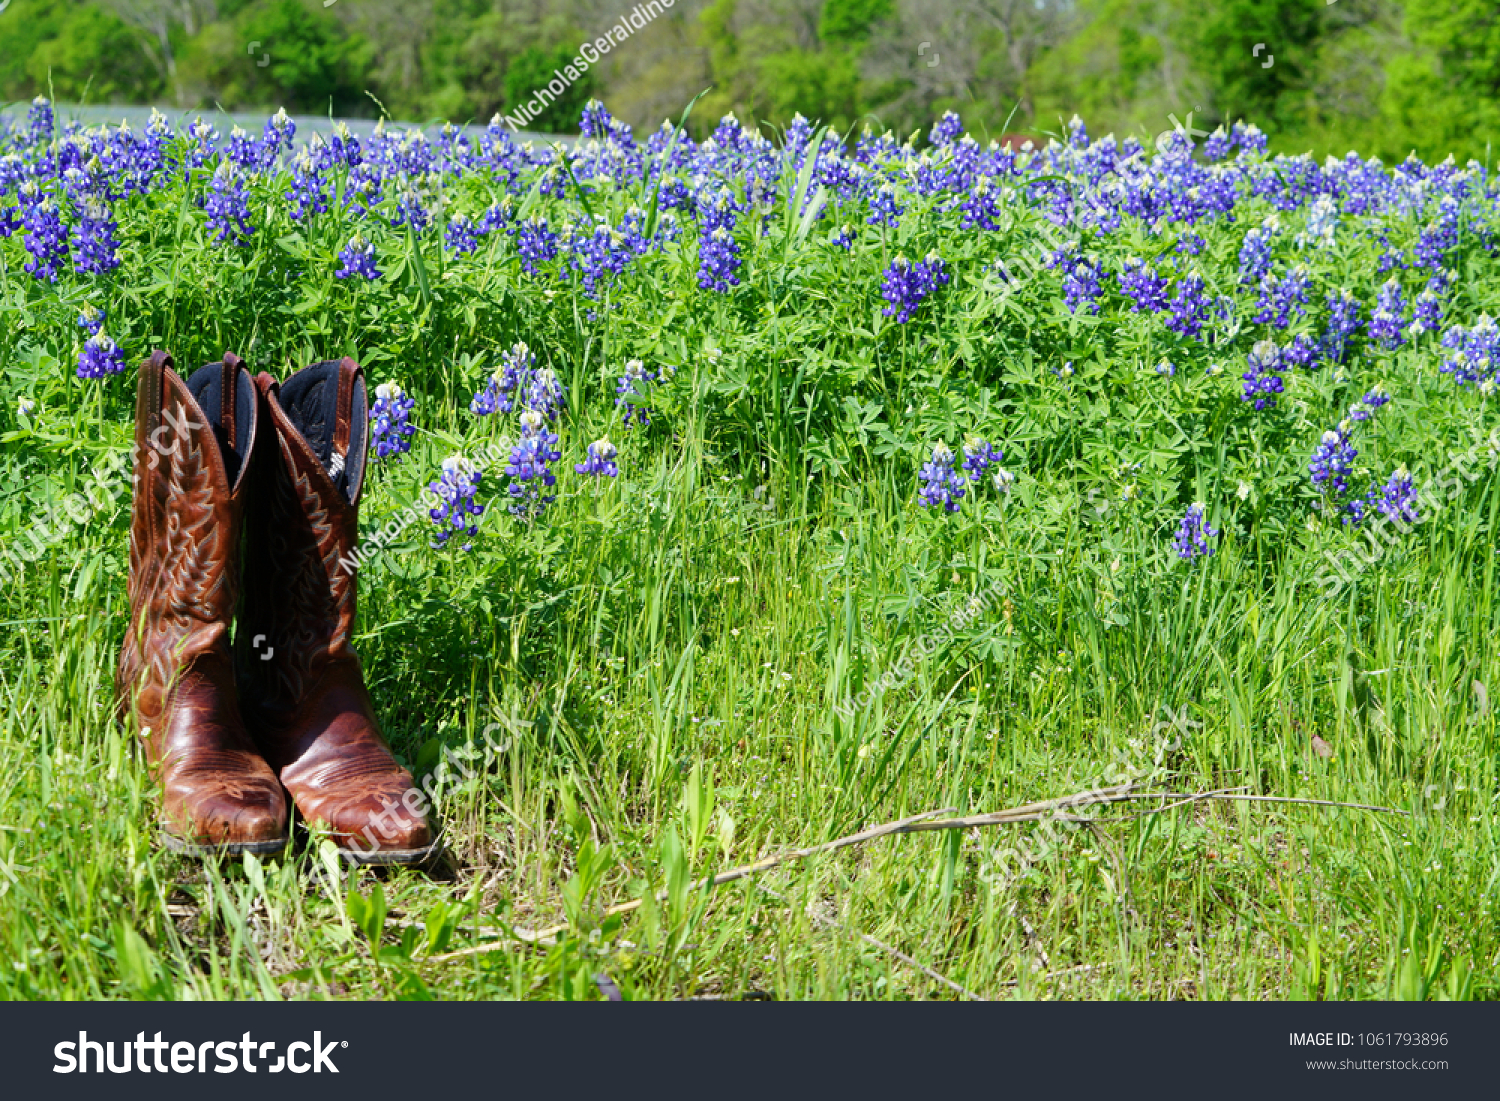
[[231, 730]]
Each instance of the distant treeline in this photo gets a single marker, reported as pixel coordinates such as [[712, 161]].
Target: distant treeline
[[1381, 76]]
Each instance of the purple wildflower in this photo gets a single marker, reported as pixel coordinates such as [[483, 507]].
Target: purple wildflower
[[600, 461], [100, 357], [456, 491], [941, 485], [95, 250], [228, 206], [907, 285], [630, 393], [1333, 461], [390, 419], [979, 456], [529, 467], [358, 258], [1194, 533], [1263, 380]]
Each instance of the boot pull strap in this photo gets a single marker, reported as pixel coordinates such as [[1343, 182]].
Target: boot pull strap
[[228, 392], [344, 409], [148, 392]]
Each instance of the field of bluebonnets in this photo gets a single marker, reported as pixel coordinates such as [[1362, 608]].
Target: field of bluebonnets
[[738, 495]]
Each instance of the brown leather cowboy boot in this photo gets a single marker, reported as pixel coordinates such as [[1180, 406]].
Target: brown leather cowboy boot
[[301, 685], [193, 441]]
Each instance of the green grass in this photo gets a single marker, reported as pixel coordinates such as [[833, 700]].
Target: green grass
[[668, 653], [678, 666]]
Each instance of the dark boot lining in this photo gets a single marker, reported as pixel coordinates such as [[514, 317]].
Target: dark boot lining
[[310, 400], [204, 385]]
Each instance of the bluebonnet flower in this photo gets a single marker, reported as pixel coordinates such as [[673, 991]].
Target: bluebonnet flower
[[1078, 134], [1167, 368], [358, 258], [1194, 533], [498, 216], [1300, 351], [1364, 409], [1255, 254], [25, 408], [1141, 283], [1216, 147], [1003, 480], [243, 150], [1190, 307], [529, 467], [718, 252], [458, 511], [884, 209], [1473, 353], [95, 250], [308, 190], [600, 251], [203, 140], [1427, 315], [1262, 380], [1322, 223], [390, 418], [1440, 236], [1279, 297], [1190, 244], [39, 121], [1391, 257], [511, 377], [1397, 499], [979, 456], [46, 239], [595, 121], [410, 211], [1081, 285], [1333, 461], [981, 208], [1386, 320], [100, 357], [843, 237], [228, 206], [277, 137], [536, 243], [941, 485], [947, 129], [460, 235], [544, 394], [630, 392], [91, 319], [1343, 323], [907, 285], [1249, 138], [600, 461]]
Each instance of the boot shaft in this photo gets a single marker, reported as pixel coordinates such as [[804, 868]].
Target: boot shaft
[[301, 596], [193, 442]]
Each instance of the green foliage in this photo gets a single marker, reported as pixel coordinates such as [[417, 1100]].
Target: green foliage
[[847, 22], [1264, 85], [274, 53], [531, 71], [94, 58]]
